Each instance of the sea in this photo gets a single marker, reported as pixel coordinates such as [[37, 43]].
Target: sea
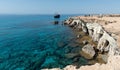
[[34, 42]]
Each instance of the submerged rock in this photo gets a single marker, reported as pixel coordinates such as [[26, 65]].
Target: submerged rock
[[71, 55], [61, 44], [74, 45], [56, 22], [20, 68], [49, 62]]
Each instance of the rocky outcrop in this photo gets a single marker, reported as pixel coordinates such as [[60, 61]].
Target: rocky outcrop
[[106, 44], [89, 50]]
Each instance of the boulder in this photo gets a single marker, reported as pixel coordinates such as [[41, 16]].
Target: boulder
[[89, 51]]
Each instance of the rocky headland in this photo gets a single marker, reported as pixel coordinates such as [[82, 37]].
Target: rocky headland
[[104, 30]]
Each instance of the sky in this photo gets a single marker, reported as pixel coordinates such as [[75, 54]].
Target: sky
[[59, 6]]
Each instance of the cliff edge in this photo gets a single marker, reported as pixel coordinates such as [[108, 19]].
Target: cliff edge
[[105, 30]]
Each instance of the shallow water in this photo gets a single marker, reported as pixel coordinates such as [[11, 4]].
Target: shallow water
[[32, 42]]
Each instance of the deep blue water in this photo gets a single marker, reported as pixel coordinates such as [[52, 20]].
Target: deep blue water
[[33, 42]]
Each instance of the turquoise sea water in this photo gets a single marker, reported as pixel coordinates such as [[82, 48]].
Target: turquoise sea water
[[32, 42]]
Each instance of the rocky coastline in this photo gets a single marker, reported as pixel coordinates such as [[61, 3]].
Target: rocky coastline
[[106, 47]]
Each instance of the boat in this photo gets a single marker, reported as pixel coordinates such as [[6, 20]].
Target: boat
[[57, 16]]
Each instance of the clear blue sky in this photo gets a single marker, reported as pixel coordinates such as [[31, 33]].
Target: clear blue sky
[[61, 6]]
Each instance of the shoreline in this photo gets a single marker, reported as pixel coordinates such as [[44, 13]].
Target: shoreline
[[103, 29], [84, 39]]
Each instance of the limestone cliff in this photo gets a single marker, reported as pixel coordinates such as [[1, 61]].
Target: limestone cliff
[[107, 42]]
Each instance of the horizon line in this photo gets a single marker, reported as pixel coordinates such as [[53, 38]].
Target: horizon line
[[61, 14]]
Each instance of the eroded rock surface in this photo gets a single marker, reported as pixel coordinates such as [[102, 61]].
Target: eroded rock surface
[[105, 30], [89, 50], [108, 40], [106, 43]]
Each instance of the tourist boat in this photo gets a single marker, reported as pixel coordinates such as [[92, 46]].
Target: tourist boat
[[57, 16]]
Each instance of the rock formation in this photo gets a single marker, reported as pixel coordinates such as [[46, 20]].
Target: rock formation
[[88, 49], [108, 41]]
